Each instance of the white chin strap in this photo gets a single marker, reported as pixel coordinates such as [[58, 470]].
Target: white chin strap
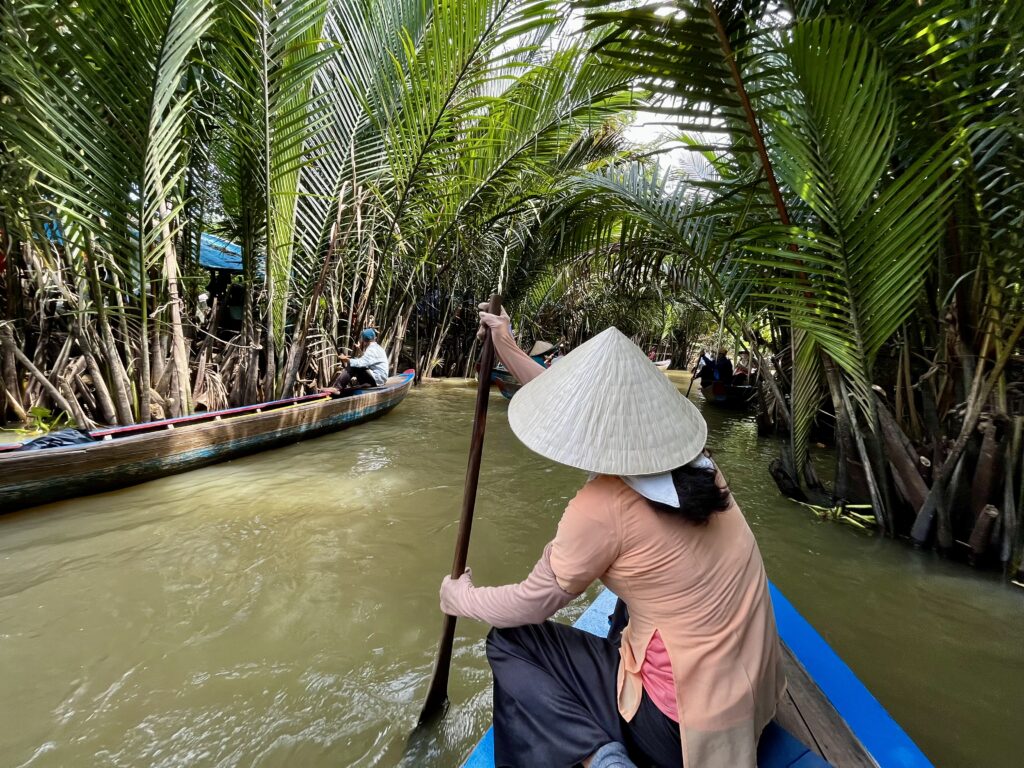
[[660, 487]]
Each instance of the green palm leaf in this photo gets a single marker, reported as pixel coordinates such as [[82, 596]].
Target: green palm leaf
[[269, 55], [107, 141], [859, 264]]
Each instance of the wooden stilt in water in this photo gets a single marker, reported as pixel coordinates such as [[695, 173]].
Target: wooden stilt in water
[[982, 533]]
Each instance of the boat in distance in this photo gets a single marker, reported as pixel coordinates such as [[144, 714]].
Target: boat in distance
[[508, 386], [738, 397], [827, 717], [117, 457]]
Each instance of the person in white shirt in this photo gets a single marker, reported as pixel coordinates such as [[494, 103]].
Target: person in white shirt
[[369, 369]]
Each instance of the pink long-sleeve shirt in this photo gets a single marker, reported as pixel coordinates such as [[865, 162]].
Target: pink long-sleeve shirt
[[701, 639]]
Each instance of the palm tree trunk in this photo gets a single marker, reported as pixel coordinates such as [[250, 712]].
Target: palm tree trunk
[[103, 399], [902, 460], [10, 372], [1011, 509], [118, 375], [297, 349], [845, 446], [7, 399], [417, 364], [879, 503], [269, 350], [398, 341], [179, 353], [981, 388], [143, 375], [7, 340]]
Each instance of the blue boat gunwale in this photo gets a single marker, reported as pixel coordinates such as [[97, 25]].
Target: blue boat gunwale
[[869, 721], [882, 737]]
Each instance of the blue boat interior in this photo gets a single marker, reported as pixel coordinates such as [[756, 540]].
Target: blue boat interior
[[881, 740]]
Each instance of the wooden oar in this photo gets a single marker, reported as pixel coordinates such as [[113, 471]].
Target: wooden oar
[[692, 374], [437, 695]]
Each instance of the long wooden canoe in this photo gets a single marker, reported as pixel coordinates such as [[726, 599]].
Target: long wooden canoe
[[124, 456], [827, 716]]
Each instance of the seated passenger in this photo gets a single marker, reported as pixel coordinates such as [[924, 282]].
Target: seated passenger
[[696, 672], [705, 370], [369, 369], [723, 367], [741, 374]]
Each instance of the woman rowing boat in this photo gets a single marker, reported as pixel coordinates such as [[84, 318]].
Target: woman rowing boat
[[697, 672]]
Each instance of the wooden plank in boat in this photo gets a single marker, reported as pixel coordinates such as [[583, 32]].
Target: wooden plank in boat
[[789, 717], [808, 715]]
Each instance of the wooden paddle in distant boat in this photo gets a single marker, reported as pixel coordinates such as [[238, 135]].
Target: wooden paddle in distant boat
[[693, 375], [437, 694]]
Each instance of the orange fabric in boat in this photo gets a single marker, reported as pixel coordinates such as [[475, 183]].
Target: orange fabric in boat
[[704, 589]]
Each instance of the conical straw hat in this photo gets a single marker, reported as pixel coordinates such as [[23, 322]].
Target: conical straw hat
[[606, 408], [540, 347]]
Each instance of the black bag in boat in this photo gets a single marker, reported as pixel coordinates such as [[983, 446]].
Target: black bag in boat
[[58, 439]]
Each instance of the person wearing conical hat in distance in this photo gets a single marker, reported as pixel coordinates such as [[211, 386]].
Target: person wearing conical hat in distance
[[543, 353], [695, 674]]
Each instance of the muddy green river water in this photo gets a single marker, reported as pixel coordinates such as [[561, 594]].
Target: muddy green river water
[[282, 609]]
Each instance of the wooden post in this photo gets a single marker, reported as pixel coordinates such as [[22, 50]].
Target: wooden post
[[982, 533], [437, 694]]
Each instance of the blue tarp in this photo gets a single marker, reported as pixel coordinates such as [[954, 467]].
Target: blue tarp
[[216, 253]]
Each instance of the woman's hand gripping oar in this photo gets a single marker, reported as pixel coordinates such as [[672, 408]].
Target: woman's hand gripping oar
[[437, 694]]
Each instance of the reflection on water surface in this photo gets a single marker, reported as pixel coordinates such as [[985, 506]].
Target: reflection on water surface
[[282, 609]]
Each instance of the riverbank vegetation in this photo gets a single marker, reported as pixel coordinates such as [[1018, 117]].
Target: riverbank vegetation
[[861, 191], [367, 160], [845, 199]]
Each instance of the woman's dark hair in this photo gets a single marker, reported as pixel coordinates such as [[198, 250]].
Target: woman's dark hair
[[699, 494]]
